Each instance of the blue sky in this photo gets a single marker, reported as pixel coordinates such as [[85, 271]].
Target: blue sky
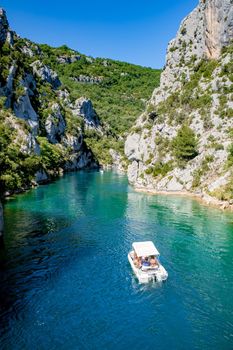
[[127, 30]]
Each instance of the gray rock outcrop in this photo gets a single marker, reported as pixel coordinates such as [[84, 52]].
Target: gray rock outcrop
[[202, 34], [68, 59], [10, 79], [132, 147], [79, 161], [55, 124], [205, 105], [6, 35], [4, 26], [46, 74], [41, 177], [24, 110], [118, 163], [218, 25], [83, 107], [87, 79], [38, 117], [73, 142]]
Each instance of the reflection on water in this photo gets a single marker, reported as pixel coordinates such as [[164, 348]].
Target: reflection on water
[[65, 281]]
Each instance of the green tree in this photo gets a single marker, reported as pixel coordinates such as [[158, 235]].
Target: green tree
[[52, 156], [185, 144], [230, 156], [17, 169]]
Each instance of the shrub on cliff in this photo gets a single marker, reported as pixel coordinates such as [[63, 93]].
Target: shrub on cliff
[[230, 156], [184, 145], [17, 169], [224, 193], [52, 156], [160, 168]]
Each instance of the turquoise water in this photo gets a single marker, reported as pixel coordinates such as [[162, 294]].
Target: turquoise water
[[65, 282]]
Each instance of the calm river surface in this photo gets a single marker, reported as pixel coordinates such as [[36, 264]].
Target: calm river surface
[[65, 282]]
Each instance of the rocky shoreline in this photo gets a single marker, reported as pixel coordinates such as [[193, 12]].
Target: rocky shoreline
[[202, 198]]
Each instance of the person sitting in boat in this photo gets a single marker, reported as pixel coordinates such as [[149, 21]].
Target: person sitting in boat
[[145, 261], [154, 262], [137, 261]]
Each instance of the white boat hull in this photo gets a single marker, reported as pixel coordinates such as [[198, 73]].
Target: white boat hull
[[158, 274]]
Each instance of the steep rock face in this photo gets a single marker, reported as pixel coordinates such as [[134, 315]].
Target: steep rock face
[[46, 74], [27, 140], [24, 110], [118, 164], [4, 26], [6, 35], [55, 124], [82, 160], [10, 78], [196, 90], [73, 142], [83, 107], [218, 26], [202, 34], [42, 120]]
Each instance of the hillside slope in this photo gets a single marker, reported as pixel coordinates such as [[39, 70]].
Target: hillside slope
[[42, 129], [118, 90], [48, 122], [183, 142]]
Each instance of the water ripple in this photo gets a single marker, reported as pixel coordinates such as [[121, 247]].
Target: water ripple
[[65, 282]]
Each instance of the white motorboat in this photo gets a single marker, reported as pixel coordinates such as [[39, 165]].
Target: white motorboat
[[139, 259]]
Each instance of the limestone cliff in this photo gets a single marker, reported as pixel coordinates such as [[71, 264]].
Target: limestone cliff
[[6, 35], [38, 114], [184, 140], [202, 34]]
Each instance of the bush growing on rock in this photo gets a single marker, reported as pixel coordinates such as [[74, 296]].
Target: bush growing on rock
[[184, 145], [224, 193], [160, 168], [52, 155], [17, 169], [230, 156]]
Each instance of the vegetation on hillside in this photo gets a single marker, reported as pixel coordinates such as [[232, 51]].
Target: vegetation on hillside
[[17, 169], [122, 92], [118, 98], [192, 97], [184, 145], [119, 94]]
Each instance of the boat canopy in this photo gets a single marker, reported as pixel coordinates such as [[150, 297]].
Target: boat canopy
[[145, 249]]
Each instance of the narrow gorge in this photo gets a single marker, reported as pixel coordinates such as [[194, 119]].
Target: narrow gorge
[[58, 110], [63, 111], [112, 175]]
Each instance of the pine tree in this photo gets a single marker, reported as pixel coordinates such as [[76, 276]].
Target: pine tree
[[185, 144]]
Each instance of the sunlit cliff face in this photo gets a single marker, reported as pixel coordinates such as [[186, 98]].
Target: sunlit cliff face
[[218, 19], [212, 31]]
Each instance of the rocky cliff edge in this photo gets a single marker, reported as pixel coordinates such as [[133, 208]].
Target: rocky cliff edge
[[184, 140]]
